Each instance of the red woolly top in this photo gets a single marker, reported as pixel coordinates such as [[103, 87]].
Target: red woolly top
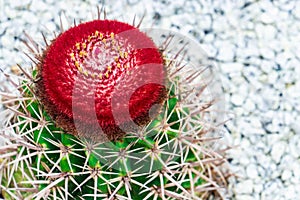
[[105, 72]]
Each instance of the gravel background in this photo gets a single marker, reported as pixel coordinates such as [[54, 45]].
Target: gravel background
[[254, 43]]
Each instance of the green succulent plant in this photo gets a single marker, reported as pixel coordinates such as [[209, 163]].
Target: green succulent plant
[[48, 154]]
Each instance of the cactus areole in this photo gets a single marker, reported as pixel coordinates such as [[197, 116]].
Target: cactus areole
[[101, 77]]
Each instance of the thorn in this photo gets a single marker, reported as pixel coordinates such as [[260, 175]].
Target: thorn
[[28, 46], [180, 50], [25, 73], [8, 76], [138, 26], [35, 45], [54, 34], [104, 12], [177, 70], [98, 12], [34, 61], [44, 38], [61, 25], [167, 42], [133, 21]]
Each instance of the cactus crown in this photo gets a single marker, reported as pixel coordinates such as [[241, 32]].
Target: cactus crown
[[92, 69]]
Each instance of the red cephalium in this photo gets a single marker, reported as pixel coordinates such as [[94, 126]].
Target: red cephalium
[[100, 77]]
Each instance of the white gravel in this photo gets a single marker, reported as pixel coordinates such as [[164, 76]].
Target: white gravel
[[254, 43]]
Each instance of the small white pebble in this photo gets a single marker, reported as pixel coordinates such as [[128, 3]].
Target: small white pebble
[[237, 100], [244, 187], [286, 174], [232, 67], [251, 171], [277, 151]]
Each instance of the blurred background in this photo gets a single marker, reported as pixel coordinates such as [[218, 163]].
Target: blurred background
[[255, 47]]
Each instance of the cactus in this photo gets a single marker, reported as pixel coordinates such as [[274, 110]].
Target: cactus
[[140, 134]]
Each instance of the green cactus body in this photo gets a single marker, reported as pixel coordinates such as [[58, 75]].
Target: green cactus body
[[166, 158]]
